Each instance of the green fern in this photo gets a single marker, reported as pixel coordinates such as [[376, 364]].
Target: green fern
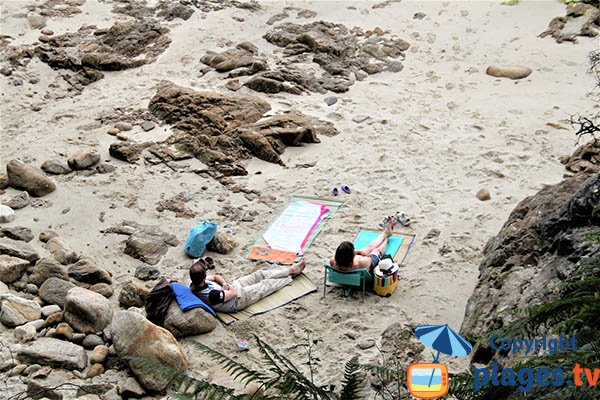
[[353, 380]]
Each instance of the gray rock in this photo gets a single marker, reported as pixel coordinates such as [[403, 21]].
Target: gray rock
[[49, 310], [25, 333], [61, 252], [18, 249], [84, 159], [54, 291], [87, 311], [46, 235], [92, 340], [25, 177], [123, 126], [17, 311], [192, 322], [148, 126], [146, 243], [54, 353], [56, 167], [3, 288], [104, 168], [419, 15], [85, 271], [135, 336], [31, 288], [132, 295], [147, 273], [330, 100], [18, 201], [7, 214], [366, 344], [46, 268], [104, 289], [130, 388], [47, 32], [39, 391], [17, 233], [12, 268], [99, 354]]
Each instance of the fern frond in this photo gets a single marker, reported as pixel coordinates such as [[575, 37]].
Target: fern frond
[[384, 374], [353, 380]]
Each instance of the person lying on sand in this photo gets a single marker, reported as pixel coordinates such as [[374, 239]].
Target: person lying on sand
[[348, 259], [226, 297]]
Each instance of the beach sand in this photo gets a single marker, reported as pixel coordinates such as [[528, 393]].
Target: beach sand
[[438, 132]]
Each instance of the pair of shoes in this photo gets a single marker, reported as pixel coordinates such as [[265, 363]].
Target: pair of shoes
[[345, 188], [402, 218], [208, 262], [384, 222]]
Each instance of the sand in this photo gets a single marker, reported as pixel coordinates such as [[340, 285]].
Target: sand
[[438, 131]]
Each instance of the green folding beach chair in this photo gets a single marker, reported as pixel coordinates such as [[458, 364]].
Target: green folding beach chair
[[347, 280]]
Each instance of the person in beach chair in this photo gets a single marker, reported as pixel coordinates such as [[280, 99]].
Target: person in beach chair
[[226, 297], [348, 259]]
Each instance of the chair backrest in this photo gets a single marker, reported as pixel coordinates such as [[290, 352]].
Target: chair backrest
[[347, 278]]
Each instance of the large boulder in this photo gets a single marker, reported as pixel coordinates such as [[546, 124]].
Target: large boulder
[[15, 311], [54, 291], [87, 311], [11, 268], [192, 322], [146, 242], [54, 353], [87, 272], [25, 177], [46, 268], [18, 249], [135, 336]]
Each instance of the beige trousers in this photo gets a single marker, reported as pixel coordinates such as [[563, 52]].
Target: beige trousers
[[251, 288]]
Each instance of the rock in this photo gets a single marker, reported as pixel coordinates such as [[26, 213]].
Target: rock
[[7, 214], [148, 126], [18, 201], [146, 243], [506, 71], [366, 344], [580, 20], [46, 268], [47, 32], [54, 291], [130, 388], [104, 289], [17, 233], [32, 369], [85, 271], [277, 18], [84, 159], [171, 11], [128, 151], [98, 389], [31, 288], [55, 167], [49, 310], [63, 330], [18, 249], [331, 100], [91, 341], [17, 311], [54, 319], [3, 288], [192, 322], [94, 370], [123, 126], [419, 15], [78, 338], [17, 370], [483, 195], [25, 333], [6, 71], [360, 118], [54, 353], [99, 354], [104, 168], [37, 391], [3, 181], [36, 21], [135, 336], [12, 268], [87, 311], [221, 243], [25, 177], [147, 273], [132, 295], [233, 84], [61, 252], [46, 235], [399, 341]]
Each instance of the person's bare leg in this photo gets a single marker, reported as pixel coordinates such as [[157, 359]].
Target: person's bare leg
[[381, 240], [297, 269]]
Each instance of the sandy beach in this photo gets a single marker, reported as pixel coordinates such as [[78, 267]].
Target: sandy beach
[[437, 132]]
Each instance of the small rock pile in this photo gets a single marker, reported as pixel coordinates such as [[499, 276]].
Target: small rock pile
[[580, 20]]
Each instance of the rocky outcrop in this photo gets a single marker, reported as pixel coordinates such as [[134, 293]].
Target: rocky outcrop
[[192, 322], [28, 178], [146, 243], [55, 353], [580, 20], [87, 311], [586, 158], [135, 336], [537, 250]]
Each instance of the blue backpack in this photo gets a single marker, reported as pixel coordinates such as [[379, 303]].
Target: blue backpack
[[199, 237]]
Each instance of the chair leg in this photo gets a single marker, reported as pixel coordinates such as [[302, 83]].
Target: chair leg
[[325, 284], [363, 291]]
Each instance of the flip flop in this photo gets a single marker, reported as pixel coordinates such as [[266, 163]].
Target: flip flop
[[335, 191], [346, 189]]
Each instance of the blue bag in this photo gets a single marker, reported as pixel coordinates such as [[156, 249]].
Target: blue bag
[[199, 237]]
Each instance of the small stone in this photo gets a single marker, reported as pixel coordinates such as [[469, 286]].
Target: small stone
[[3, 181], [64, 330], [147, 273], [78, 338], [31, 369], [25, 177], [12, 268], [61, 253], [94, 370], [483, 195], [18, 201], [419, 15], [508, 71], [84, 159], [148, 126], [47, 32], [17, 233], [233, 84], [87, 272], [7, 214], [41, 373], [46, 235], [113, 131], [49, 310], [104, 168], [132, 295], [122, 136], [54, 291], [104, 289], [31, 288], [99, 354], [91, 341], [360, 118], [55, 167], [6, 71], [25, 333], [123, 126], [221, 243], [366, 344], [130, 388], [331, 100], [17, 370], [54, 318]]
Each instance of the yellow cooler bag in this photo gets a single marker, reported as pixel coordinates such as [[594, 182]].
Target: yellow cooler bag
[[386, 277]]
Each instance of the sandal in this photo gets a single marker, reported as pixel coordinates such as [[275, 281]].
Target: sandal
[[402, 218], [335, 191], [346, 189]]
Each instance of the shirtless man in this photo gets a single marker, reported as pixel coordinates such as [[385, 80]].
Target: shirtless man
[[347, 258]]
